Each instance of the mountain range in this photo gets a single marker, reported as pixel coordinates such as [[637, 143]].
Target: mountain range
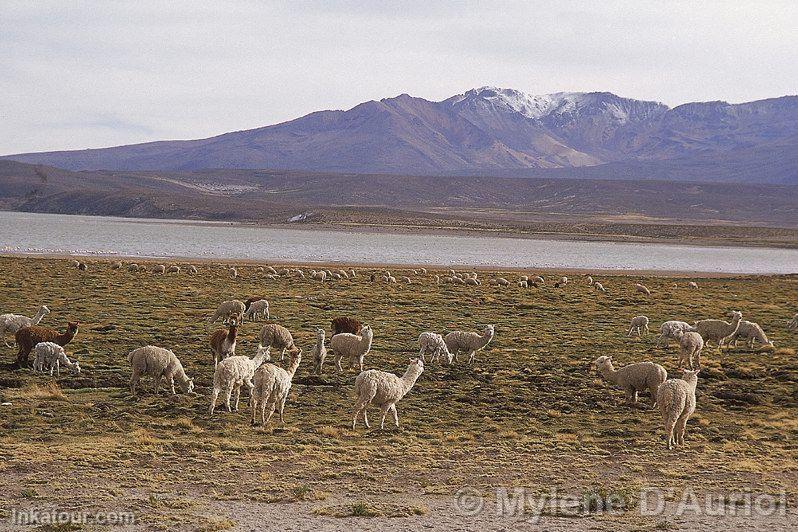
[[493, 131]]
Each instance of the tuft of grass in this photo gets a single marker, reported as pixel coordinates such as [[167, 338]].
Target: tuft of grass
[[50, 390]]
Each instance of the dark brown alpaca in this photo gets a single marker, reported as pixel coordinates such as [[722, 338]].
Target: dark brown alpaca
[[223, 343], [28, 337], [345, 324]]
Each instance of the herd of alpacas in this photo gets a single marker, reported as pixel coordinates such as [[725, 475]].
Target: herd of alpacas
[[269, 384]]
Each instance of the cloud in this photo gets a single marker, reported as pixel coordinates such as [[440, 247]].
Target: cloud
[[105, 73]]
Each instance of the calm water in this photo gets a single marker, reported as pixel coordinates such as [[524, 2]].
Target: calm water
[[61, 234]]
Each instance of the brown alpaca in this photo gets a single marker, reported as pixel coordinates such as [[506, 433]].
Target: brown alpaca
[[223, 343], [345, 324], [28, 337]]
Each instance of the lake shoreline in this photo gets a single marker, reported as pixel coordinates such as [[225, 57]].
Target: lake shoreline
[[185, 240]]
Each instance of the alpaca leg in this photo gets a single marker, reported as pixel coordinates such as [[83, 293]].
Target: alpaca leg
[[421, 354], [263, 405], [338, 363], [360, 406], [237, 391], [645, 327], [681, 425], [282, 354], [631, 396], [271, 412], [384, 410], [360, 361], [228, 393], [214, 398], [157, 384], [172, 385], [365, 416], [395, 415], [134, 380], [280, 410], [3, 334], [255, 407], [630, 332], [670, 423]]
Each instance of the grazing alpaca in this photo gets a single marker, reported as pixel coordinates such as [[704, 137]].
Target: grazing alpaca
[[11, 323], [676, 402], [28, 337], [223, 343], [384, 390]]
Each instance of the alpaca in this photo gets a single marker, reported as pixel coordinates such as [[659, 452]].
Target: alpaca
[[272, 384], [469, 342], [223, 343], [385, 390], [676, 402], [11, 323], [353, 346], [28, 337], [232, 373], [717, 331], [319, 352]]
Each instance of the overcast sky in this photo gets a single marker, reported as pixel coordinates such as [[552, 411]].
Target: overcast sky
[[92, 74]]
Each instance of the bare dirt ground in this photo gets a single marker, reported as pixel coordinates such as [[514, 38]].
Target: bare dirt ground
[[529, 414]]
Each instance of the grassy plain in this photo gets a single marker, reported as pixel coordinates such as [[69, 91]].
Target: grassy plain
[[529, 413]]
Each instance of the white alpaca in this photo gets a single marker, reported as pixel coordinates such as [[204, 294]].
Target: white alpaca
[[272, 384], [258, 308], [642, 289], [468, 342], [599, 287], [232, 373], [431, 342], [353, 346], [50, 355], [173, 269], [11, 323], [718, 331], [690, 346], [384, 390], [638, 323], [229, 310], [278, 337], [634, 378], [158, 363], [672, 330], [319, 352], [676, 402]]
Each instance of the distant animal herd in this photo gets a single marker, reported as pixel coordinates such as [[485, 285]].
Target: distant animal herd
[[269, 384]]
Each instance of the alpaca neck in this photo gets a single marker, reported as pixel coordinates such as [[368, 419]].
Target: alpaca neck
[[260, 357], [409, 378], [38, 317], [486, 338], [291, 369], [609, 373], [232, 333], [65, 338]]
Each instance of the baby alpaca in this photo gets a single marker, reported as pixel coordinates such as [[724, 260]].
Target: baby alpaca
[[690, 346], [638, 322], [319, 352], [158, 363], [384, 390], [676, 401], [468, 342], [272, 384], [257, 308], [633, 378], [51, 355]]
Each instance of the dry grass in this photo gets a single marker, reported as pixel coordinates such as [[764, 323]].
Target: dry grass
[[528, 411]]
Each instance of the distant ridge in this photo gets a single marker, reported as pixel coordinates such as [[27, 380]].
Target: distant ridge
[[491, 130]]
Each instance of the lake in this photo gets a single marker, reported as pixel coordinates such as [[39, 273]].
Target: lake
[[31, 233]]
